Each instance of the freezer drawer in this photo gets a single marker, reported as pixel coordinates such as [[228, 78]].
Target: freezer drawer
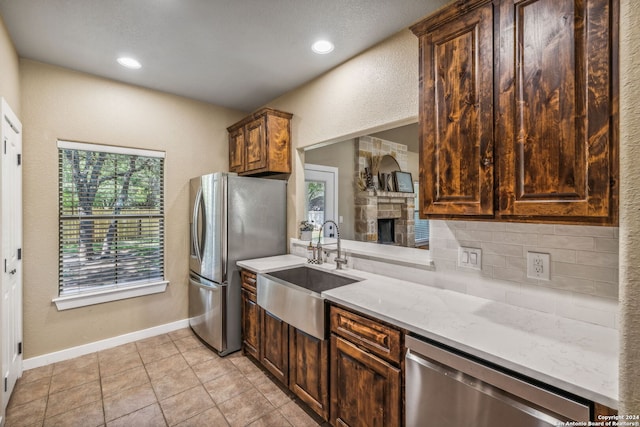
[[207, 311], [445, 389]]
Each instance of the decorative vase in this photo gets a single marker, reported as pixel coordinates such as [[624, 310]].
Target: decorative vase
[[305, 235], [376, 185]]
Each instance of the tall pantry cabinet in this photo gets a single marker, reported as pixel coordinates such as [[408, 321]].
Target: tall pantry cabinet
[[518, 111]]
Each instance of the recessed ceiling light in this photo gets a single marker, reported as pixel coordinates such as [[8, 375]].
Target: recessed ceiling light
[[128, 62], [322, 47]]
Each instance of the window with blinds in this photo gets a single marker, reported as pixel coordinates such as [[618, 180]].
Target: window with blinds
[[421, 226], [111, 213]]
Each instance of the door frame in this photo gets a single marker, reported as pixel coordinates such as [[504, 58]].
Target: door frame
[[331, 175]]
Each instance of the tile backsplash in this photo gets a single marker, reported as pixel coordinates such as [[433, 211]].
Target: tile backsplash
[[583, 283], [584, 265]]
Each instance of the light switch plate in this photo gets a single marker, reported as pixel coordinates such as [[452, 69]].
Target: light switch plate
[[470, 258], [538, 265]]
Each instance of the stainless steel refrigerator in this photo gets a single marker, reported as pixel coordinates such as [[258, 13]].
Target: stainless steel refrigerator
[[232, 218]]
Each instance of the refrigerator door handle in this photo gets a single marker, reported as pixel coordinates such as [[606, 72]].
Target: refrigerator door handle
[[194, 225], [225, 231]]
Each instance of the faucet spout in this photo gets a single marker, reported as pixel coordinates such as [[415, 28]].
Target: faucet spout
[[339, 260]]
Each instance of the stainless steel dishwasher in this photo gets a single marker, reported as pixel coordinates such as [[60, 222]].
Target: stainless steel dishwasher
[[446, 389]]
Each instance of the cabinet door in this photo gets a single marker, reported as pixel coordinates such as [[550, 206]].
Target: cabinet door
[[274, 343], [456, 116], [308, 364], [279, 143], [236, 151], [256, 145], [250, 324], [555, 103], [365, 390]]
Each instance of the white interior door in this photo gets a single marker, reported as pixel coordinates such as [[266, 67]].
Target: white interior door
[[11, 256], [321, 199]]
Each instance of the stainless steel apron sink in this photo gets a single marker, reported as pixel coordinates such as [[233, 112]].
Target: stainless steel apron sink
[[293, 295]]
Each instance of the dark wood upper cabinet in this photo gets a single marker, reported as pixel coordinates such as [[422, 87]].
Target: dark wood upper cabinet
[[519, 111], [555, 107], [456, 92], [256, 144], [236, 150], [260, 144]]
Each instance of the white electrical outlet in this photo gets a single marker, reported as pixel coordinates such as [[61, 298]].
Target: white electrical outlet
[[538, 265], [470, 258]]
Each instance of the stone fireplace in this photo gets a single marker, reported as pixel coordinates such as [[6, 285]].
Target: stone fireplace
[[371, 206], [383, 216]]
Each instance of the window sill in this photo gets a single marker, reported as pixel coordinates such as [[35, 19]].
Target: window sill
[[82, 300]]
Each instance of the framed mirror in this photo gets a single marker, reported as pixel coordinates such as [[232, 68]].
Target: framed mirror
[[394, 220]]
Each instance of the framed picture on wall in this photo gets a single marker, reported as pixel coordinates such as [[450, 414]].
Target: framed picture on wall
[[403, 182]]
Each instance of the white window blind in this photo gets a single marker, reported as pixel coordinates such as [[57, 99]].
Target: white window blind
[[111, 217], [421, 226]]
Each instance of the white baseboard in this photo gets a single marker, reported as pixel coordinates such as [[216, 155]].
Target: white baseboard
[[81, 350]]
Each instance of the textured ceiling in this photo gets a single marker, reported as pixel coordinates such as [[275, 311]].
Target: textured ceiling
[[238, 54]]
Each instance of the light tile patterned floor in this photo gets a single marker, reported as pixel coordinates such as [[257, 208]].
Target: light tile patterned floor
[[167, 380]]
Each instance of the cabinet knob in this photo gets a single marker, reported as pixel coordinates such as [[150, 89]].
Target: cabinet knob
[[487, 161]]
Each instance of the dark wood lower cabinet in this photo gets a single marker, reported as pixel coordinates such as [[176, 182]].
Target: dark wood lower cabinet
[[365, 390], [250, 324], [600, 410], [275, 346], [308, 364], [353, 379], [360, 385]]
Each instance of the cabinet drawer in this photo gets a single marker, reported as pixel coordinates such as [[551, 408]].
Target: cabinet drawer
[[379, 339], [248, 280]]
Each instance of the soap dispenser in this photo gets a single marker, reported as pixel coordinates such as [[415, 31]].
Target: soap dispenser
[[311, 253]]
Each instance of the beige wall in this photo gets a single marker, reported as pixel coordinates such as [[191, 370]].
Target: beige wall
[[377, 90], [413, 165], [374, 91], [9, 74], [59, 103]]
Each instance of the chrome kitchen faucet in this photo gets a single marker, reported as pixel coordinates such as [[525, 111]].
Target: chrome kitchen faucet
[[339, 260]]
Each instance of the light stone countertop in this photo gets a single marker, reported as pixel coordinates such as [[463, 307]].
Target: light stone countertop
[[264, 265], [578, 357]]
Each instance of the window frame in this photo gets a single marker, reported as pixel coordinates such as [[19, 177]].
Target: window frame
[[121, 290]]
